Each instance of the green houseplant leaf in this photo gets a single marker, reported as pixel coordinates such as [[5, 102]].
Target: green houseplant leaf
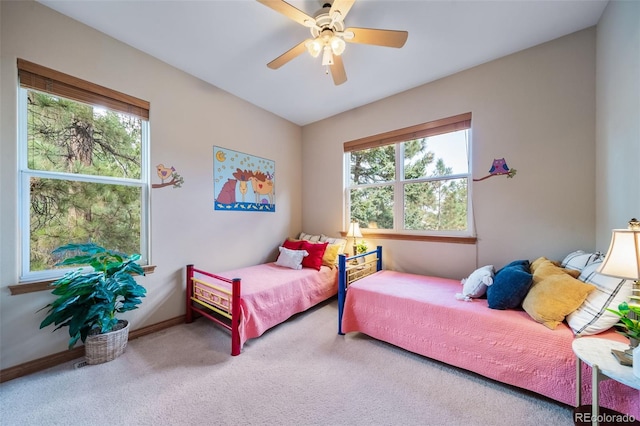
[[629, 327], [87, 302], [361, 247]]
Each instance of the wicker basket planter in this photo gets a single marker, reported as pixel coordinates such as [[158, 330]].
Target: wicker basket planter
[[88, 301], [100, 348]]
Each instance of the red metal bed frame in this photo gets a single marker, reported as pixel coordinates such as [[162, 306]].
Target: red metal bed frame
[[220, 303]]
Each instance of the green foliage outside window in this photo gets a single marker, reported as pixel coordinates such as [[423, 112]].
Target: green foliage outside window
[[433, 195], [84, 167]]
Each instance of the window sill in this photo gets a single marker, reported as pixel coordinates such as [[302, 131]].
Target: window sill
[[35, 286], [411, 237]]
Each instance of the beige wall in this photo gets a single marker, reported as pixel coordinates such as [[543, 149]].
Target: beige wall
[[188, 117], [617, 119], [535, 108]]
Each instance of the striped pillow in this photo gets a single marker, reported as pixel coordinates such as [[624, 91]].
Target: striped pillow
[[592, 316], [579, 259], [309, 237]]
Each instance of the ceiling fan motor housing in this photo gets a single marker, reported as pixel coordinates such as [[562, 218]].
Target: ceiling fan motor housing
[[324, 22]]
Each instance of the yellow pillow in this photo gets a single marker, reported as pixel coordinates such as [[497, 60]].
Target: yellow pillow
[[573, 272], [534, 265], [544, 269], [552, 299], [330, 257]]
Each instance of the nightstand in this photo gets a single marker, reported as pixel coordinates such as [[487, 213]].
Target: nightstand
[[359, 270], [596, 353]]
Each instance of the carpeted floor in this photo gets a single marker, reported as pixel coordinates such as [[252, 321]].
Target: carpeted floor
[[299, 373]]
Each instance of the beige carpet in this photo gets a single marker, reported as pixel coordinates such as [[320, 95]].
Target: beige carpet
[[299, 373]]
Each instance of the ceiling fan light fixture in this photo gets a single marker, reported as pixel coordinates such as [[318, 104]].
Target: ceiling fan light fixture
[[337, 45], [314, 47], [327, 56], [329, 35]]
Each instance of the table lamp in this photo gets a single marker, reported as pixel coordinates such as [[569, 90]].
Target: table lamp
[[354, 231], [623, 261]]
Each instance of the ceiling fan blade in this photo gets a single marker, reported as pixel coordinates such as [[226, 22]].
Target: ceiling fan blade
[[342, 6], [387, 38], [337, 71], [290, 12], [298, 49]]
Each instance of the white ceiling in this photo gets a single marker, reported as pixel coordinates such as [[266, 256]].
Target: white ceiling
[[228, 43]]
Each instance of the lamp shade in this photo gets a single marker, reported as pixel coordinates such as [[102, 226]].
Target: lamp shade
[[623, 258], [354, 230], [337, 45], [314, 47]]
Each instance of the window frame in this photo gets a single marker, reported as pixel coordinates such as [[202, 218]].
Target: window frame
[[396, 138], [38, 78]]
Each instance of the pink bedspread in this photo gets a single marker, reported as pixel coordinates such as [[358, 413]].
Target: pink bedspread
[[421, 314], [271, 294]]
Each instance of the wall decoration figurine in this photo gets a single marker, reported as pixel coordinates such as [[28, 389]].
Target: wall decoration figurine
[[242, 182], [165, 173], [498, 168]]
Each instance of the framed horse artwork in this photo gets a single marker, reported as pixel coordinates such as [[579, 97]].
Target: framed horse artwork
[[243, 182]]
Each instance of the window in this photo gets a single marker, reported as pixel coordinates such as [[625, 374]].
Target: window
[[83, 168], [412, 181]]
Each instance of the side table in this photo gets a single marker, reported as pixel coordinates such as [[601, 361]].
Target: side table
[[596, 353]]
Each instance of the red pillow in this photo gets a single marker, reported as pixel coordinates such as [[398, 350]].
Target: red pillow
[[316, 251], [292, 244]]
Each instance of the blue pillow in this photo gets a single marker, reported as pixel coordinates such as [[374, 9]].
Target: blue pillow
[[523, 264], [510, 286]]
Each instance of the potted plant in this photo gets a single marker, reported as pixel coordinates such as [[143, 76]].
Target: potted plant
[[361, 247], [88, 302], [628, 325]]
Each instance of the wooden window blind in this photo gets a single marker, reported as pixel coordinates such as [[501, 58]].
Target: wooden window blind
[[34, 76], [432, 128]]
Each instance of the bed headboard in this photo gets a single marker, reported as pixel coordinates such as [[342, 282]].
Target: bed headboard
[[354, 268]]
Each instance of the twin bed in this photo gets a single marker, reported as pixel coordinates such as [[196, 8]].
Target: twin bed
[[249, 301], [422, 314]]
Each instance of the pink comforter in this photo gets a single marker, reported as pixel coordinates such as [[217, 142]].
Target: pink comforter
[[422, 315], [271, 294]]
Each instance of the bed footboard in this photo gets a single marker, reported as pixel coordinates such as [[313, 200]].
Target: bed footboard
[[211, 296], [350, 270]]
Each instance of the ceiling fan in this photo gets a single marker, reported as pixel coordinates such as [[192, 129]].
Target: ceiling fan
[[329, 35]]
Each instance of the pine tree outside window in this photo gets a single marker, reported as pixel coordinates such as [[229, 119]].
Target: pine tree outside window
[[83, 166], [413, 181]]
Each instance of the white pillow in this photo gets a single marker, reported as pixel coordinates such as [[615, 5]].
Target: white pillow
[[476, 284], [579, 259], [291, 258], [592, 316]]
